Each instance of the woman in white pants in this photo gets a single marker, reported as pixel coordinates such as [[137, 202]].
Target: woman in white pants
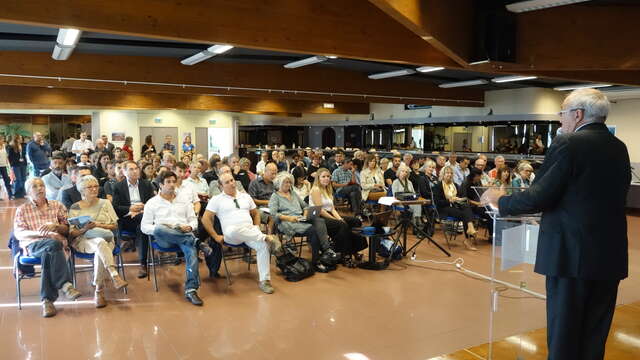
[[96, 236]]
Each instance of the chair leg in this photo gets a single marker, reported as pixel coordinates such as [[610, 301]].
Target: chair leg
[[226, 270], [18, 293], [121, 269], [72, 268], [153, 267]]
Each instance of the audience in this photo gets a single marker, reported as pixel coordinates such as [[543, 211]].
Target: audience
[[264, 159], [148, 147], [168, 147], [301, 186], [372, 180], [287, 208], [339, 228], [128, 147], [82, 146], [96, 236], [523, 177], [129, 198], [344, 181], [461, 170], [57, 178], [240, 222], [474, 179], [215, 188], [499, 163], [38, 152], [440, 163], [187, 147], [481, 164], [198, 184], [41, 227], [402, 185], [17, 154], [115, 175], [69, 195], [4, 167], [390, 173], [503, 177], [171, 223]]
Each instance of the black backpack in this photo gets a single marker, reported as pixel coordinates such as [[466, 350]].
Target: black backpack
[[294, 268]]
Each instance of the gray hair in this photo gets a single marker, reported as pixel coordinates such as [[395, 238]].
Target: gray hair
[[524, 166], [29, 183], [280, 178], [83, 182], [594, 103]]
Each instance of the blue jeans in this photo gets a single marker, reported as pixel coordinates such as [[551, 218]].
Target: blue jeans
[[20, 173], [7, 182], [55, 269], [166, 238]]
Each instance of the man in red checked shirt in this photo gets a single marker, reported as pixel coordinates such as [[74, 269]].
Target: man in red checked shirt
[[41, 227]]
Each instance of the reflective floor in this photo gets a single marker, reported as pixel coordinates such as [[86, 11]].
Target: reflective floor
[[410, 311]]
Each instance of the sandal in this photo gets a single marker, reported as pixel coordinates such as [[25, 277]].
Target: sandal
[[348, 262]]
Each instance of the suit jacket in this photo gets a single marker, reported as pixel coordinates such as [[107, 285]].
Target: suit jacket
[[121, 199], [69, 196], [440, 199], [583, 231]]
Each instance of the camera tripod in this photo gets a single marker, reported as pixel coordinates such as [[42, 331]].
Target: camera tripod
[[402, 228]]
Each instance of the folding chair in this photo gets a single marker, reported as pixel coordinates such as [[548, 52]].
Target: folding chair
[[152, 260], [22, 260], [235, 256]]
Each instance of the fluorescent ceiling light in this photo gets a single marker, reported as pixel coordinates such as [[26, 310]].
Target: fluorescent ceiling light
[[389, 74], [479, 62], [304, 62], [580, 86], [424, 69], [206, 54], [463, 83], [68, 37], [61, 52], [332, 56], [219, 49], [504, 79], [531, 5], [328, 105]]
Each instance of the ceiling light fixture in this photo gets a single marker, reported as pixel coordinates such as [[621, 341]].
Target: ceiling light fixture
[[206, 54], [332, 56], [463, 83], [308, 61], [580, 86], [480, 62], [532, 5], [426, 69], [65, 43], [328, 105], [505, 79], [390, 74]]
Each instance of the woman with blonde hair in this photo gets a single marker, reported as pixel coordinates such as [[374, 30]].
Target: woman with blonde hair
[[96, 237], [338, 227], [372, 179]]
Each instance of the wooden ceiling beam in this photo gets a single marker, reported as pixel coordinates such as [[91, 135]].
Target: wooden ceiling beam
[[445, 25], [315, 83], [37, 97], [345, 28]]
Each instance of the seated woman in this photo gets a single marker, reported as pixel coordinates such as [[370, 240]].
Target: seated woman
[[286, 207], [96, 237], [523, 177], [339, 228], [372, 180], [445, 194], [301, 186], [430, 179], [402, 184], [503, 179], [467, 190]]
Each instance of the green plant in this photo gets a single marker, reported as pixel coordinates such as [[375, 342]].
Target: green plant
[[12, 130]]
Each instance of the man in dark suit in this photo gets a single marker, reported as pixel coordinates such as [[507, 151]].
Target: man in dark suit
[[71, 195], [129, 197], [582, 244]]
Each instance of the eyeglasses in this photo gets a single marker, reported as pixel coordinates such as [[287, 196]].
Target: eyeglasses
[[562, 112], [235, 201]]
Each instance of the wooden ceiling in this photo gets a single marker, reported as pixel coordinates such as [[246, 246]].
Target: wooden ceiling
[[588, 42]]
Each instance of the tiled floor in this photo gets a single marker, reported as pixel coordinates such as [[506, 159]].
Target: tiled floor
[[410, 311]]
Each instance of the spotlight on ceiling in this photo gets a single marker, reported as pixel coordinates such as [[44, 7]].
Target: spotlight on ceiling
[[463, 83], [307, 61], [532, 5], [505, 79], [206, 54], [390, 74], [65, 43]]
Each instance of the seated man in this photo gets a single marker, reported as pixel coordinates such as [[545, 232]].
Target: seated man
[[172, 223], [41, 227], [343, 180], [56, 179], [261, 190], [129, 197], [69, 195], [216, 189], [240, 222]]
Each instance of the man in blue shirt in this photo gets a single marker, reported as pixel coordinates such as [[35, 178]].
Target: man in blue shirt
[[38, 152], [344, 181]]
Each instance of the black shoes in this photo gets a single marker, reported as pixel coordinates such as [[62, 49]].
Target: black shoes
[[205, 248], [321, 268], [193, 298], [142, 272]]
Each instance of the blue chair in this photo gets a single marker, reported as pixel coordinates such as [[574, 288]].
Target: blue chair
[[31, 261], [152, 258], [89, 257]]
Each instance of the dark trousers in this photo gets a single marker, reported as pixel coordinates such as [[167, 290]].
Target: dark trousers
[[346, 242], [579, 314], [142, 241], [463, 213], [7, 181], [55, 269], [20, 173], [354, 194]]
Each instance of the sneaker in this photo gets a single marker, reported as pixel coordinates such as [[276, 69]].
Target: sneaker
[[193, 298], [71, 293], [321, 268], [332, 254], [99, 299], [48, 310], [266, 287], [142, 272]]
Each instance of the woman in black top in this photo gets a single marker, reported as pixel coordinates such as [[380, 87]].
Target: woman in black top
[[148, 146], [416, 178], [475, 179], [449, 201], [17, 154], [101, 169]]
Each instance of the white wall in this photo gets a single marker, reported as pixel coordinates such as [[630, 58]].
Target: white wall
[[524, 101], [625, 115]]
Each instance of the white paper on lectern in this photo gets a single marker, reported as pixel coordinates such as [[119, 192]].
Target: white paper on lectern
[[519, 245], [387, 200]]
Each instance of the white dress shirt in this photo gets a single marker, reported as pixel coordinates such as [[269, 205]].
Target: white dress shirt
[[227, 212], [158, 211], [186, 194], [82, 145], [200, 186], [134, 192]]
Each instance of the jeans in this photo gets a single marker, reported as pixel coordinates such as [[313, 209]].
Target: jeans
[[354, 195], [7, 182], [55, 269], [20, 173], [166, 238]]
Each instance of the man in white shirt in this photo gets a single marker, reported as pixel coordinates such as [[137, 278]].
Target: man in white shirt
[[197, 183], [56, 180], [184, 191], [68, 144], [172, 223], [240, 221], [264, 159], [82, 145], [461, 170]]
